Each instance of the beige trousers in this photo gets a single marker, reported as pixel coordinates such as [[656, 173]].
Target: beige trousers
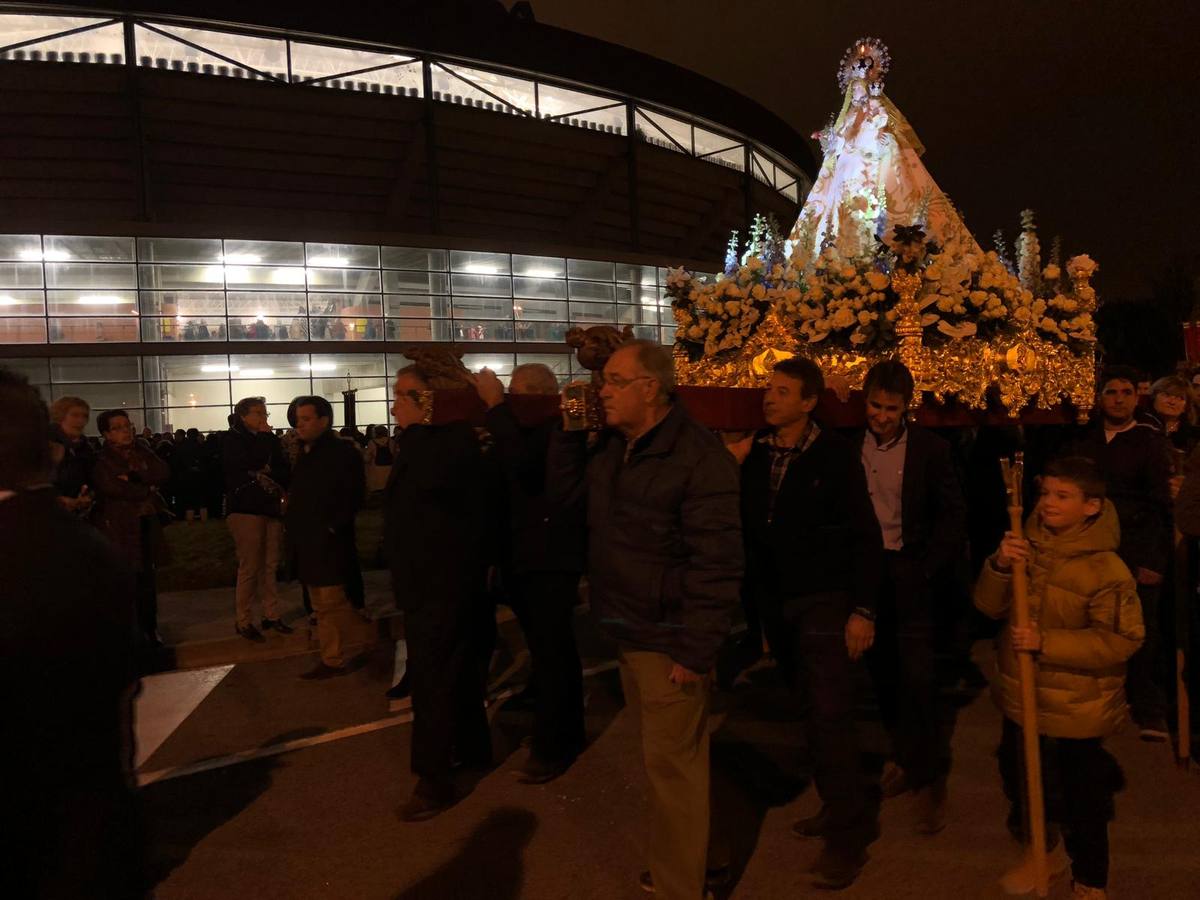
[[339, 626], [257, 540], [674, 720]]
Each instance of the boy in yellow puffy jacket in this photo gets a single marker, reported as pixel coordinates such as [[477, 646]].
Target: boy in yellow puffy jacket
[[1087, 622]]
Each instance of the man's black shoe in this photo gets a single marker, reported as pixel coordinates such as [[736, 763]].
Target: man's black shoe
[[540, 771], [322, 672], [836, 870], [400, 695], [1154, 729], [276, 625], [429, 797], [251, 633], [814, 826]]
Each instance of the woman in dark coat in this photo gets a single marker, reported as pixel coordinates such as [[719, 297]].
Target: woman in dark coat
[[127, 474], [73, 469], [256, 474]]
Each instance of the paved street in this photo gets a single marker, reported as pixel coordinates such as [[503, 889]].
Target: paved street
[[318, 821]]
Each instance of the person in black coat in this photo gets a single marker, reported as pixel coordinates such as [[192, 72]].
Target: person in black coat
[[919, 505], [1136, 461], [256, 475], [73, 472], [68, 642], [328, 489], [813, 558], [542, 563], [438, 535]]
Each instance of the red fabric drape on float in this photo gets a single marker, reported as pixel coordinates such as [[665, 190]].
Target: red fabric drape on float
[[740, 409], [1191, 341]]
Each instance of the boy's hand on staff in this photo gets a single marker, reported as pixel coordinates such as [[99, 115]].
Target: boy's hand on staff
[[1012, 549], [860, 635], [1027, 639]]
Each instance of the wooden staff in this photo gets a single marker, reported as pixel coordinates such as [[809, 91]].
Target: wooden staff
[[1014, 474], [1182, 637]]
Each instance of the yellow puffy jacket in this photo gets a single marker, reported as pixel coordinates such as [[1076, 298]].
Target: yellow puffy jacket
[[1085, 602]]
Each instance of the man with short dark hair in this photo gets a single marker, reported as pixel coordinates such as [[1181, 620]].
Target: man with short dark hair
[[813, 556], [68, 642], [438, 512], [1136, 461], [919, 505], [327, 491], [664, 570]]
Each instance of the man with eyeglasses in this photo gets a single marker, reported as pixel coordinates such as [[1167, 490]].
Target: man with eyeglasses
[[664, 572]]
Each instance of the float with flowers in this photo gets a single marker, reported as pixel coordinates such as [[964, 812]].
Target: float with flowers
[[880, 264]]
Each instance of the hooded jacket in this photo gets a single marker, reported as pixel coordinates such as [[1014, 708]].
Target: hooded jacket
[[1085, 602]]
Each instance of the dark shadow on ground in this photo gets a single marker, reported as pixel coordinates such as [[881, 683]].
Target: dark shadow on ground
[[490, 863]]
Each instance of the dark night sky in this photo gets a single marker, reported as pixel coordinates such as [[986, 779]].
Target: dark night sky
[[1085, 112]]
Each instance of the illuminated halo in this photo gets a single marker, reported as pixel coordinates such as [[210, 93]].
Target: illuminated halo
[[868, 52]]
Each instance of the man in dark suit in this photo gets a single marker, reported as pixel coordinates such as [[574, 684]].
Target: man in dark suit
[[327, 491], [68, 643], [813, 554], [437, 511], [541, 564], [922, 516]]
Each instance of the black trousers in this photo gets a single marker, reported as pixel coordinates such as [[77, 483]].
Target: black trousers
[[901, 663], [1146, 676], [545, 606], [145, 587], [808, 636], [449, 721], [1079, 779]]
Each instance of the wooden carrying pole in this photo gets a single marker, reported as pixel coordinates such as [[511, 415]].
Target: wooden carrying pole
[[1182, 600], [1014, 474]]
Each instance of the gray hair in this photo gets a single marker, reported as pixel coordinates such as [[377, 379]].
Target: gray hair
[[658, 361], [539, 376]]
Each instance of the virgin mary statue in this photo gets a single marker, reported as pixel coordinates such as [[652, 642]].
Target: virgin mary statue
[[872, 178]]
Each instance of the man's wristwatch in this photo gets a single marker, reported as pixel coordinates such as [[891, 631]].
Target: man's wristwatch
[[868, 614]]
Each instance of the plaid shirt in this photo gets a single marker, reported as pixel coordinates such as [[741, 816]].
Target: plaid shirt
[[781, 458]]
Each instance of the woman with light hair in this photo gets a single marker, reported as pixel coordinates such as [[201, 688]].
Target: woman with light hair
[[73, 455], [1174, 412]]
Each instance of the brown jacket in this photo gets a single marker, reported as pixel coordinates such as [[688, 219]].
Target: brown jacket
[[1085, 602], [126, 482]]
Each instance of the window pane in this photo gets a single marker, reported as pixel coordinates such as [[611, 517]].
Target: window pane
[[269, 253], [103, 45], [21, 275], [708, 142], [416, 283], [345, 329], [373, 413], [202, 418], [265, 303], [90, 303], [188, 393], [418, 330], [360, 365], [268, 365], [184, 328], [22, 303], [179, 250], [482, 308], [414, 258], [316, 61], [92, 249], [102, 396], [476, 87], [632, 274], [182, 276], [590, 290], [664, 131], [540, 309], [500, 363], [264, 54], [185, 368], [267, 328], [580, 109], [590, 269], [594, 313], [559, 363], [86, 331], [368, 389], [539, 266], [20, 246], [549, 332], [416, 306], [240, 276], [96, 369], [345, 305], [483, 331], [22, 331], [18, 29], [276, 390], [336, 255], [90, 275], [344, 279], [548, 288], [479, 263], [482, 285], [183, 303]]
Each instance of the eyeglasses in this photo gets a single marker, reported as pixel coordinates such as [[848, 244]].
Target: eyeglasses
[[621, 383]]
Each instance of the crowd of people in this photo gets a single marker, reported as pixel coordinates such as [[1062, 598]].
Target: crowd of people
[[839, 549]]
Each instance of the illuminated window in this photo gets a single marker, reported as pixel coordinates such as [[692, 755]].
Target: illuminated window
[[203, 51], [61, 39]]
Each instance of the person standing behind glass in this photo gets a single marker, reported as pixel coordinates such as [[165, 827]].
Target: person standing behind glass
[[73, 474], [327, 491], [126, 475], [256, 474]]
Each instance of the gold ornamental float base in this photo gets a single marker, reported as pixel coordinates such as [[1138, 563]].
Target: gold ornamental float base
[[1024, 369]]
